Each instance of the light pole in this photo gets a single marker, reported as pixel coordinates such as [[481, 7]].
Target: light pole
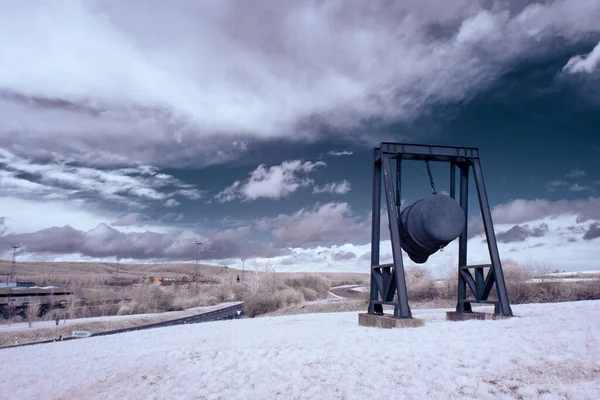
[[14, 262], [197, 264], [243, 259]]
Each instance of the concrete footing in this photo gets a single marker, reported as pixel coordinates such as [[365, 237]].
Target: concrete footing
[[388, 321], [466, 316]]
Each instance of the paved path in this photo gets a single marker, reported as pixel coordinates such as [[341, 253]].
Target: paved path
[[347, 292]]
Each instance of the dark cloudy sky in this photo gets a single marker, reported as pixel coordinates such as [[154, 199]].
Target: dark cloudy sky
[[129, 130]]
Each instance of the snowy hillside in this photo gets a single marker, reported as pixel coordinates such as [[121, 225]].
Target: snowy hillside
[[548, 351]]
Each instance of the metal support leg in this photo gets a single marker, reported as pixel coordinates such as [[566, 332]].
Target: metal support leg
[[401, 309], [375, 228], [462, 240], [398, 186], [453, 180], [503, 306], [479, 283]]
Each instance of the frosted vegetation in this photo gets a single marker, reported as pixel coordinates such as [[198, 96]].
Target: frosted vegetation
[[269, 292]]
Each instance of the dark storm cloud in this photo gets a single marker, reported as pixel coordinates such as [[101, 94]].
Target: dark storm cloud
[[593, 231], [520, 233], [194, 82]]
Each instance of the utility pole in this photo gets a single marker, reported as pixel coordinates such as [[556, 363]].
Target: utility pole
[[14, 262], [243, 259], [197, 265]]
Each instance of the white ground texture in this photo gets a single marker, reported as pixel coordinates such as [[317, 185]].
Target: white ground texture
[[548, 351]]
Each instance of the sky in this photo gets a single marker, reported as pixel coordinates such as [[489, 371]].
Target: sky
[[132, 130]]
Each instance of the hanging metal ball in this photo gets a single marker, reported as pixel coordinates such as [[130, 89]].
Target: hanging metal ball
[[430, 224]]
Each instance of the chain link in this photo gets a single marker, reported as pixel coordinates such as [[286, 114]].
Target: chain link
[[430, 177]]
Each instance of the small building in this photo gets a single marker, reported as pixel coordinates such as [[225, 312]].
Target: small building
[[15, 298]]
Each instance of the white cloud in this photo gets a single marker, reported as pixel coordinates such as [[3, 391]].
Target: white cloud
[[324, 224], [130, 219], [171, 203], [553, 185], [340, 153], [29, 215], [584, 63], [58, 179], [341, 187], [143, 82], [579, 188], [273, 182], [230, 193], [575, 173]]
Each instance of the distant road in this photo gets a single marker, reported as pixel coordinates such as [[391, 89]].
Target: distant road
[[347, 292]]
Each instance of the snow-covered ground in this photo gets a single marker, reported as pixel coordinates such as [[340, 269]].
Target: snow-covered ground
[[568, 273], [551, 351], [538, 280]]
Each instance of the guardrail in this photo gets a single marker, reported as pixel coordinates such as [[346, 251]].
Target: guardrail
[[226, 313]]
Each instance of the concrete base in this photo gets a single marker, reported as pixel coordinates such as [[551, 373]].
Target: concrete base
[[388, 321], [466, 316]]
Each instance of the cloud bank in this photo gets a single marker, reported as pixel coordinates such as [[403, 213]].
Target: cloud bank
[[330, 236], [143, 82]]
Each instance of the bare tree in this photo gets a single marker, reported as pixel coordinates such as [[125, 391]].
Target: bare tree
[[256, 279], [32, 311]]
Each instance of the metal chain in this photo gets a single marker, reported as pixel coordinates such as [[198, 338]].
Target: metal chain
[[430, 177]]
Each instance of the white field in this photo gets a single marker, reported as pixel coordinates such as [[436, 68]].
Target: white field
[[548, 351]]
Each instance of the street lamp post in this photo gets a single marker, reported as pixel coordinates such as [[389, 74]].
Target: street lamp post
[[197, 264], [14, 262]]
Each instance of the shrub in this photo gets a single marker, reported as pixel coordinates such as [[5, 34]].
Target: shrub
[[263, 302], [420, 285], [309, 294], [317, 284], [517, 279]]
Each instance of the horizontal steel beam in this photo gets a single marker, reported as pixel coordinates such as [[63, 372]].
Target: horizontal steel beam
[[476, 266], [428, 152], [382, 266]]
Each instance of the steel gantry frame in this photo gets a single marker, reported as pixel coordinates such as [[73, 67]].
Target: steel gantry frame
[[388, 282]]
